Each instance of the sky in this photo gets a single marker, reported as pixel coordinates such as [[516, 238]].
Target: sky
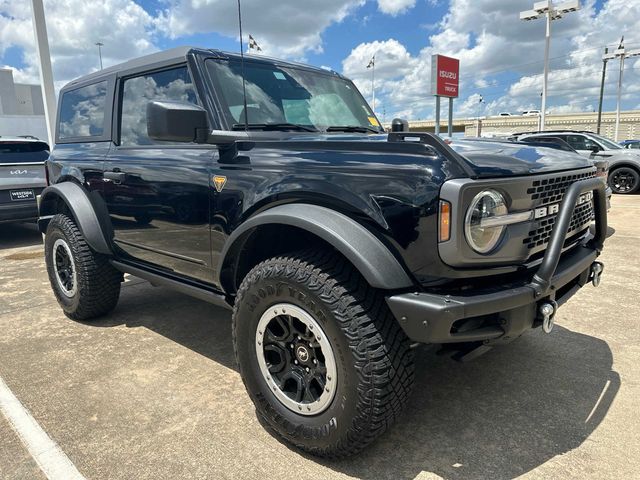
[[501, 57]]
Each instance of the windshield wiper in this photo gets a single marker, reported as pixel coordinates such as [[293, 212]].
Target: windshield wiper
[[352, 128], [274, 126]]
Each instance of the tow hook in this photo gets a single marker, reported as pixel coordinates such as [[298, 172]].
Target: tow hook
[[596, 273], [548, 312]]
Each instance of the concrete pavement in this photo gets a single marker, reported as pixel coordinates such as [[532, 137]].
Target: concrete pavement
[[152, 391]]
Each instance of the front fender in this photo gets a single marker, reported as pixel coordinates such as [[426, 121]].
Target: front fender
[[364, 250], [82, 209]]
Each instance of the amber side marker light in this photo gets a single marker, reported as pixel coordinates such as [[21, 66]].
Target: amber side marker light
[[445, 221]]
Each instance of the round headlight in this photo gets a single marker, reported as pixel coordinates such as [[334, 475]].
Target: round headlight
[[481, 235]]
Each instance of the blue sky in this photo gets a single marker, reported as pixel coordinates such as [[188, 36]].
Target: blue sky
[[501, 57]]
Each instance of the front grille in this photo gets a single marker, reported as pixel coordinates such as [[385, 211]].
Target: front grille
[[550, 191]]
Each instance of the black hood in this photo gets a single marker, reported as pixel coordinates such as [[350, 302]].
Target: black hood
[[492, 158], [481, 158]]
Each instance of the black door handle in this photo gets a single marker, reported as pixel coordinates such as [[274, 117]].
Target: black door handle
[[116, 176]]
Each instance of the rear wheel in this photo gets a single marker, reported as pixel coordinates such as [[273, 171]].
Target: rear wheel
[[84, 283], [624, 180], [323, 359]]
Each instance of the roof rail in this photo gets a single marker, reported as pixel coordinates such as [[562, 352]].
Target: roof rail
[[564, 130]]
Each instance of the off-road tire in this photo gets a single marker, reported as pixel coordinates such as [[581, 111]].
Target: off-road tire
[[98, 283], [374, 361]]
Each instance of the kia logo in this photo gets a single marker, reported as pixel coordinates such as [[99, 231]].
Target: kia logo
[[18, 172]]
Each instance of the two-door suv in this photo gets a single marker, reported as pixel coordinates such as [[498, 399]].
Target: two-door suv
[[270, 188]]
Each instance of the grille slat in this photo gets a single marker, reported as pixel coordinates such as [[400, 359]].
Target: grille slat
[[550, 191]]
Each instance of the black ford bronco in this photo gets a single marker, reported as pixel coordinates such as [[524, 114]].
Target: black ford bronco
[[271, 188]]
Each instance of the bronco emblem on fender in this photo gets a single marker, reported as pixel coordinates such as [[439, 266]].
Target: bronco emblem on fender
[[219, 182]]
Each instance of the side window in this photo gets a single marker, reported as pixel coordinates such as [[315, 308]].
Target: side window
[[579, 142], [174, 84], [82, 112]]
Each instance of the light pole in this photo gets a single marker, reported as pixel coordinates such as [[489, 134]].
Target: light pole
[[604, 75], [480, 102], [620, 53], [550, 12], [46, 74], [100, 45]]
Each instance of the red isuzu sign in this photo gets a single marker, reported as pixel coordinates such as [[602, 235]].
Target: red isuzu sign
[[445, 72]]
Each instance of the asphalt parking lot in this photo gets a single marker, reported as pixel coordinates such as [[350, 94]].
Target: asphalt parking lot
[[152, 391]]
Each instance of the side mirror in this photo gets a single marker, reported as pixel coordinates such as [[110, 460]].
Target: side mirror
[[172, 121], [595, 148], [399, 125]]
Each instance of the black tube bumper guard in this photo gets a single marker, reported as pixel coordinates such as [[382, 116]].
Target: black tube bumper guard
[[504, 314]]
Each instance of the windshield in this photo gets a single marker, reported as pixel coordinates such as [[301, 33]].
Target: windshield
[[23, 152], [609, 145], [288, 97]]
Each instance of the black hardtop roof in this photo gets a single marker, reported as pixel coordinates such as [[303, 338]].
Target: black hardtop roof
[[179, 54]]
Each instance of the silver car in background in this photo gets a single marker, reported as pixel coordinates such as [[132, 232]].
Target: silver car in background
[[22, 177], [624, 164]]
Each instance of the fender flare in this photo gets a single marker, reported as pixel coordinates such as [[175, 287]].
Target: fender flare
[[364, 250], [84, 213]]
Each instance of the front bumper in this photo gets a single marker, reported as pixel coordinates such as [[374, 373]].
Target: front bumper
[[502, 314]]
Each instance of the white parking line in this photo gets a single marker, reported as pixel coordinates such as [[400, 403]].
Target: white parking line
[[47, 454]]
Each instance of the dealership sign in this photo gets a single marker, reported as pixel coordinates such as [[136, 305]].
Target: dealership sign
[[445, 73]]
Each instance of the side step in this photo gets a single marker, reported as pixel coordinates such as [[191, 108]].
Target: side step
[[160, 280]]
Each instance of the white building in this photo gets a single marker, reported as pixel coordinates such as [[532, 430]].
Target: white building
[[21, 108]]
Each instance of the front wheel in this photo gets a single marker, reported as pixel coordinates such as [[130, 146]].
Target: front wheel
[[323, 359], [624, 180]]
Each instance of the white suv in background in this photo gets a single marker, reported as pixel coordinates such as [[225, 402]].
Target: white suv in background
[[624, 164]]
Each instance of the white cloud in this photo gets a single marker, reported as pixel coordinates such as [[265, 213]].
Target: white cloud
[[287, 28], [490, 40], [395, 7], [73, 27]]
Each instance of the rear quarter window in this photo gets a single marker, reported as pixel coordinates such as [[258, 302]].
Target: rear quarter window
[[23, 152], [82, 112]]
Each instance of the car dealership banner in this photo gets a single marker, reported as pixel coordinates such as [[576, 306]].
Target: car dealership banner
[[445, 73]]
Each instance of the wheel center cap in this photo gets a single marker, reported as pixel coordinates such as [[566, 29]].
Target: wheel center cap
[[302, 353]]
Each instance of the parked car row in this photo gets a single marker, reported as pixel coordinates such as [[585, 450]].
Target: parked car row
[[526, 113]]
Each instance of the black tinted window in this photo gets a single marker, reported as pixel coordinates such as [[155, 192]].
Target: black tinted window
[[19, 152], [174, 84], [82, 111], [580, 142]]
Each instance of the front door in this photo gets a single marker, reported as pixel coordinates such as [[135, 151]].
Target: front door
[[583, 145], [157, 193]]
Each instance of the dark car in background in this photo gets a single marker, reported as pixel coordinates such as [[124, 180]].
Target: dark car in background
[[631, 144], [22, 177]]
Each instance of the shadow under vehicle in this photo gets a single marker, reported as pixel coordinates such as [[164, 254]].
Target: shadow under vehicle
[[498, 417]]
